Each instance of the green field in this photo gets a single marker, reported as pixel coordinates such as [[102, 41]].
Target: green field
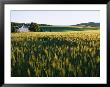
[[55, 54], [65, 29]]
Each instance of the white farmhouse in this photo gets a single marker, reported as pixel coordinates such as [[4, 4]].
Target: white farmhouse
[[23, 29]]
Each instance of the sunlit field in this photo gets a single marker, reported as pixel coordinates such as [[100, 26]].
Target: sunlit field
[[55, 54]]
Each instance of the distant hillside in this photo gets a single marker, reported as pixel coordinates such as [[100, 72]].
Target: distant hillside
[[91, 24], [15, 27], [44, 25]]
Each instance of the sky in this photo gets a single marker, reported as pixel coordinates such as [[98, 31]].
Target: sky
[[55, 17]]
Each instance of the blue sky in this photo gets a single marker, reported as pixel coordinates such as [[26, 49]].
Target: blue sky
[[55, 17]]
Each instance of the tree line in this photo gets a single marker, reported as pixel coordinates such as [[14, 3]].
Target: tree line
[[92, 24], [34, 27]]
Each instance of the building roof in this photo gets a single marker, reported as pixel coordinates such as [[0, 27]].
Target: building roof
[[23, 29]]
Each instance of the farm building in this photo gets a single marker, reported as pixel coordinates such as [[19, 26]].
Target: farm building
[[24, 28]]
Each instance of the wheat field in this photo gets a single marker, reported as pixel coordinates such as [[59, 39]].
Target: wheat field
[[55, 54]]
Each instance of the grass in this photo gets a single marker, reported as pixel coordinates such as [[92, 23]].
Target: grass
[[65, 29]]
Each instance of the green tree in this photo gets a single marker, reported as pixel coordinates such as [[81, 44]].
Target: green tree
[[34, 27], [13, 27]]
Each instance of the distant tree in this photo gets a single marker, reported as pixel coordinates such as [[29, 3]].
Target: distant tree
[[13, 27], [34, 27], [92, 24], [50, 30]]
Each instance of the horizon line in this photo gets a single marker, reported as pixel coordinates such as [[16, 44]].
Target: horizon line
[[54, 24]]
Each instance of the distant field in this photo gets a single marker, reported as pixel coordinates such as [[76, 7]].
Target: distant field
[[55, 54], [65, 29]]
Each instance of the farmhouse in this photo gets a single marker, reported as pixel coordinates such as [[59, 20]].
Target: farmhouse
[[23, 28]]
